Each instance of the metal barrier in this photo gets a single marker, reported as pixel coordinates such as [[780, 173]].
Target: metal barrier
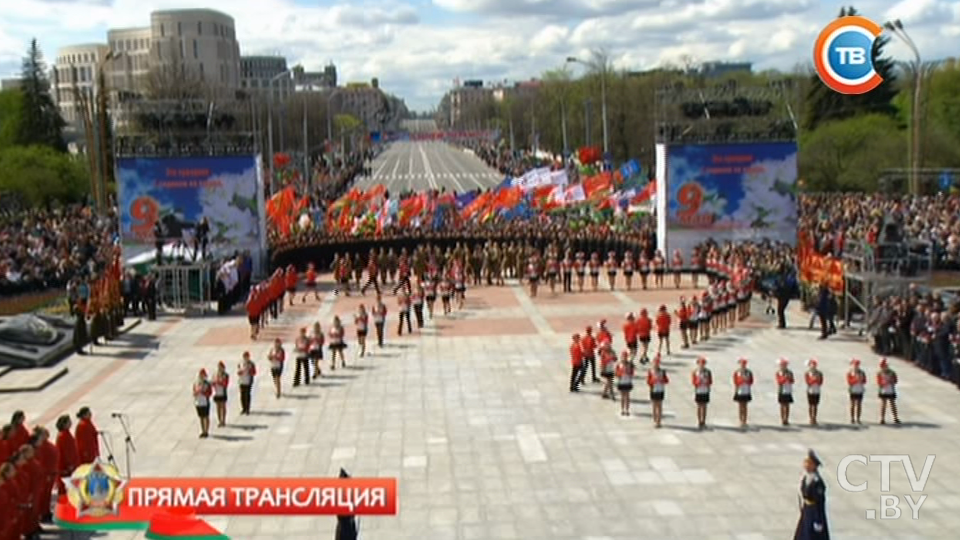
[[186, 287]]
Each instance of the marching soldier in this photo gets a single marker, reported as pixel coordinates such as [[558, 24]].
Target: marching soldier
[[702, 380], [743, 390], [856, 383], [657, 380], [813, 502], [373, 274], [379, 311], [302, 358], [785, 382], [246, 371], [887, 383], [814, 379]]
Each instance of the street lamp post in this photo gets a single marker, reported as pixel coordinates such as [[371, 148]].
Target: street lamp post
[[271, 89], [896, 27], [603, 96]]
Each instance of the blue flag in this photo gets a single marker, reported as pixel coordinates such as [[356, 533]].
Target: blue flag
[[630, 169], [464, 199]]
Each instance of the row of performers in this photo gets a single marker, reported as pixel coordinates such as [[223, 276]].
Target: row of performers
[[100, 316], [33, 467], [620, 374]]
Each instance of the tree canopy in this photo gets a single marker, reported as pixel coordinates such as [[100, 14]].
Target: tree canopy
[[40, 120]]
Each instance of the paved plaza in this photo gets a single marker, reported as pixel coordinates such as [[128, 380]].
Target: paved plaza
[[474, 417]]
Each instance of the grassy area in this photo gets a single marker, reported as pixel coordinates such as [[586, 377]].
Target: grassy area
[[52, 301]]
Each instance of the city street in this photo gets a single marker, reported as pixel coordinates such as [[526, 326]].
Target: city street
[[415, 165], [474, 418]]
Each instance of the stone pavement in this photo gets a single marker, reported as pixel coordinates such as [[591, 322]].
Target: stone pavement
[[474, 418]]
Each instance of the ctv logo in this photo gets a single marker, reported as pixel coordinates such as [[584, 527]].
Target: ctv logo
[[843, 55]]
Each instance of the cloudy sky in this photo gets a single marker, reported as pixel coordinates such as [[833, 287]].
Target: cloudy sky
[[418, 47]]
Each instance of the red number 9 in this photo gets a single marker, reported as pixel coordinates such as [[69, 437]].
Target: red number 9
[[144, 212], [689, 197]]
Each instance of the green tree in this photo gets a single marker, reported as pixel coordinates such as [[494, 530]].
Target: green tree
[[41, 122], [41, 175], [825, 104], [850, 155], [11, 105]]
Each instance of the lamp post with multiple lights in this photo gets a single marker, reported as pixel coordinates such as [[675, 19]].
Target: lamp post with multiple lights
[[896, 28], [603, 96]]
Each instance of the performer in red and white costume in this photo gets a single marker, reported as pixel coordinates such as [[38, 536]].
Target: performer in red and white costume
[[814, 379], [657, 380], [361, 320], [702, 380], [857, 384], [743, 390], [785, 381], [277, 356]]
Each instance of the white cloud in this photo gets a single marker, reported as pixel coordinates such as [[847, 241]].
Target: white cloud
[[417, 48]]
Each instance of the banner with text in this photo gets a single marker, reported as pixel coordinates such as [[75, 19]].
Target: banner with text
[[730, 192], [179, 192]]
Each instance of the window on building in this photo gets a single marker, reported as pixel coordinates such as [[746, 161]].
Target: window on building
[[216, 29], [162, 31], [196, 50], [179, 28], [182, 53]]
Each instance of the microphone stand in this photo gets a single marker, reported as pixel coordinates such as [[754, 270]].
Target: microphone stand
[[108, 447], [128, 445]]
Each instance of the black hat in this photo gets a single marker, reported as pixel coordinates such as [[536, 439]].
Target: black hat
[[812, 456]]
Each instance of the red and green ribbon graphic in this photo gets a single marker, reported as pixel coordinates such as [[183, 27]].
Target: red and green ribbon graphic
[[165, 524]]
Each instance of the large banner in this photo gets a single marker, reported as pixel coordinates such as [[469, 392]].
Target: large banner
[[729, 192], [179, 192]]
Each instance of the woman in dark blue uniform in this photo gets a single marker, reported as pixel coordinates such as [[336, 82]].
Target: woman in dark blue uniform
[[813, 502]]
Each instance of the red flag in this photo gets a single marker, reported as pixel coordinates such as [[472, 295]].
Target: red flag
[[646, 194], [508, 197], [596, 185], [477, 205]]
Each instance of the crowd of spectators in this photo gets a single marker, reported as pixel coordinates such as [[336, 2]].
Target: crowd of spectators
[[43, 249], [921, 326], [834, 222]]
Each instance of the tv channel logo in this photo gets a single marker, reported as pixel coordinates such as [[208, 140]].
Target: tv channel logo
[[843, 55]]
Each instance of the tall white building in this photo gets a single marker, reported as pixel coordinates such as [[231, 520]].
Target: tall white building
[[74, 77], [202, 42]]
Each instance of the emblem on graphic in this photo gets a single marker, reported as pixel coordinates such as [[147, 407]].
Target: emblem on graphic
[[95, 490]]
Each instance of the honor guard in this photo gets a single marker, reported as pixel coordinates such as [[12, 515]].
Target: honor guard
[[310, 282], [360, 320], [624, 373], [785, 382], [630, 335], [379, 311], [290, 279], [676, 265], [220, 382], [887, 386], [814, 379], [657, 380], [316, 349], [856, 383], [276, 357], [576, 364], [813, 502], [201, 400], [611, 266], [663, 329], [337, 343], [743, 390], [628, 265], [702, 380], [301, 349]]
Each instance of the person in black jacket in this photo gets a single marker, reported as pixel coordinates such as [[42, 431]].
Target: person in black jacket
[[823, 310], [783, 291], [813, 502]]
